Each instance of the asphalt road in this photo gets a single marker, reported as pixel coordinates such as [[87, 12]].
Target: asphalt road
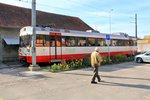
[[126, 81]]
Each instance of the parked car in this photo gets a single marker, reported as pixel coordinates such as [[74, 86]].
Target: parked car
[[145, 57]]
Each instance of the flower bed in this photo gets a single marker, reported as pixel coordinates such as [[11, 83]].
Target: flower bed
[[83, 63]]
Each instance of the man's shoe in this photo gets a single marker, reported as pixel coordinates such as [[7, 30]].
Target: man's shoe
[[99, 80], [93, 82]]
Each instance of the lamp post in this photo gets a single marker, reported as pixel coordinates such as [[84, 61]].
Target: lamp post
[[109, 35], [135, 23], [110, 20]]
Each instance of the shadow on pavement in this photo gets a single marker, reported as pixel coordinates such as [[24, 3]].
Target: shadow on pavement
[[76, 74], [106, 76], [119, 67], [16, 69], [126, 77], [126, 85], [115, 67]]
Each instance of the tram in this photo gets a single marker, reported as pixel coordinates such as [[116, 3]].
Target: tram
[[61, 44]]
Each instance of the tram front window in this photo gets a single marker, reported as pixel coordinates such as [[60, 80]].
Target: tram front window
[[25, 40]]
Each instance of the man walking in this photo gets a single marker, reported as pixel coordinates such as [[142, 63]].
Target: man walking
[[95, 62]]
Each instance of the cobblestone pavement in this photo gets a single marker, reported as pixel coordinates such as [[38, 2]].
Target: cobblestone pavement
[[126, 81]]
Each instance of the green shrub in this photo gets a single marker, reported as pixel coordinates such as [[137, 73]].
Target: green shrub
[[119, 58], [104, 60], [86, 62], [69, 65]]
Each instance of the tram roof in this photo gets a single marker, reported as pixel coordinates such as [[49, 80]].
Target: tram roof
[[65, 32]]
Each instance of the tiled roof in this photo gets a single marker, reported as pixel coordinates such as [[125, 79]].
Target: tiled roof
[[13, 16]]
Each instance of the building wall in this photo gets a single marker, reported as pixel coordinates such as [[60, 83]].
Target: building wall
[[143, 47], [8, 52], [144, 44]]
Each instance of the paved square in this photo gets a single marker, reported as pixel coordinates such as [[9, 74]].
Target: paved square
[[126, 81]]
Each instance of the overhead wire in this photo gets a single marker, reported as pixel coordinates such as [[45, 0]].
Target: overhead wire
[[83, 4], [76, 12], [71, 10], [82, 16]]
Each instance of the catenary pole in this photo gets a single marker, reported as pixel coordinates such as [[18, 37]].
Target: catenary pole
[[33, 32], [136, 28], [34, 66], [136, 34]]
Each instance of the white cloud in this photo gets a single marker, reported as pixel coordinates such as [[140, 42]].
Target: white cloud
[[128, 28], [64, 4], [23, 3], [99, 13], [99, 18]]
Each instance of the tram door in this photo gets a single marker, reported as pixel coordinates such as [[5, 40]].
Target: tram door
[[55, 47]]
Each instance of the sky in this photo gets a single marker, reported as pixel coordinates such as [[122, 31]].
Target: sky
[[106, 16]]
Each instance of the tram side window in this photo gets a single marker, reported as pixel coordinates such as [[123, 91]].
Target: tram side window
[[81, 41], [131, 43], [122, 43], [58, 41], [47, 42], [63, 40], [114, 42], [119, 43], [52, 41], [70, 41], [126, 42], [101, 42], [40, 41], [91, 41]]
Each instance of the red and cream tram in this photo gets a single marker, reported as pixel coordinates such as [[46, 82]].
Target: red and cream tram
[[61, 44]]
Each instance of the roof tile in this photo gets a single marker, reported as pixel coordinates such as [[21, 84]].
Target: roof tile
[[19, 17]]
